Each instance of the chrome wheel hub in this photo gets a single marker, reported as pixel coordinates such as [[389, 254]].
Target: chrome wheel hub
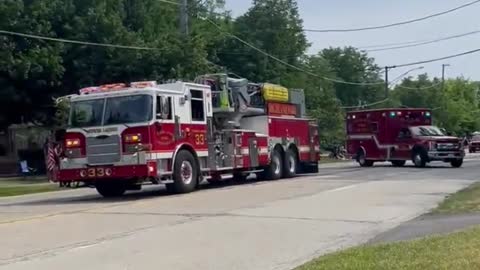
[[276, 165], [186, 171]]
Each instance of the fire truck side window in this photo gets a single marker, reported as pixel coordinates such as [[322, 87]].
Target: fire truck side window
[[198, 112], [164, 108]]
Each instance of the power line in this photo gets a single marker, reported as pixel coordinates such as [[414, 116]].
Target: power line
[[62, 40], [393, 24], [405, 42], [170, 2], [419, 88], [286, 63], [437, 59], [424, 42], [366, 105]]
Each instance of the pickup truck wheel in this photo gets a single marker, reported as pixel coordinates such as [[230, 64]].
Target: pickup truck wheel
[[274, 171], [290, 164], [362, 159], [419, 158], [185, 173], [109, 189], [457, 163], [398, 163]]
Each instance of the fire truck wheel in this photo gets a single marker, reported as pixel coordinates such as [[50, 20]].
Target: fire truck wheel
[[109, 189], [457, 163], [362, 159], [274, 171], [399, 163], [419, 158], [185, 172], [290, 164]]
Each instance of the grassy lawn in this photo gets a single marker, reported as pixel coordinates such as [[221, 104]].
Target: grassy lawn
[[464, 201], [327, 160], [455, 251], [6, 191]]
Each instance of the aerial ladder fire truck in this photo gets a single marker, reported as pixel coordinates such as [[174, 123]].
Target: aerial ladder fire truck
[[122, 136]]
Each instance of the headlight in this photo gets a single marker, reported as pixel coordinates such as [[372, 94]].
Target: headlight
[[432, 145]]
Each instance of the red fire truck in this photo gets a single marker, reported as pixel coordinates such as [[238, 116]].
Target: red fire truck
[[400, 135], [179, 134]]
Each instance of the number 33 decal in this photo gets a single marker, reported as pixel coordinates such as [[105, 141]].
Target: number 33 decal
[[199, 139]]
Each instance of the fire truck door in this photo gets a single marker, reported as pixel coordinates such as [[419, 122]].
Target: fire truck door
[[403, 142], [164, 124], [253, 150]]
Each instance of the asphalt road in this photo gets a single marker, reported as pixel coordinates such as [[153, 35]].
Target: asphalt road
[[263, 225]]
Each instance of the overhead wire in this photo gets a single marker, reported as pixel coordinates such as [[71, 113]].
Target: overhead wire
[[366, 105], [394, 24], [62, 40], [286, 63], [420, 88], [423, 42], [436, 59]]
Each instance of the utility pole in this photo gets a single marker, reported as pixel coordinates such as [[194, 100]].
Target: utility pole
[[386, 82], [443, 75], [184, 17]]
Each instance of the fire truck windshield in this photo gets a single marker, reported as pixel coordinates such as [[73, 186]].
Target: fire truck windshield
[[111, 111], [426, 131]]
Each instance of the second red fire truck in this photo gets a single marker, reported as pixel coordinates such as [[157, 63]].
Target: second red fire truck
[[398, 136], [178, 134]]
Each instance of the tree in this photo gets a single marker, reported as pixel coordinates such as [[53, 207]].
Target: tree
[[350, 65], [273, 26], [455, 107], [321, 101], [29, 69]]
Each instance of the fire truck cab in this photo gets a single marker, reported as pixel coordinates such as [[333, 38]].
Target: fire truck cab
[[121, 136], [399, 135]]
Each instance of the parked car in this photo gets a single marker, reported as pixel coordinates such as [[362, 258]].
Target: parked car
[[474, 145]]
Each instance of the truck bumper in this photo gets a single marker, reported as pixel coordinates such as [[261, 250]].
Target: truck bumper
[[437, 155], [107, 172]]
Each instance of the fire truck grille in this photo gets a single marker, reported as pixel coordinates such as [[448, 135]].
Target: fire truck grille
[[103, 150]]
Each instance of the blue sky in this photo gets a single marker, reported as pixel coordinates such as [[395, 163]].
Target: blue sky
[[321, 14]]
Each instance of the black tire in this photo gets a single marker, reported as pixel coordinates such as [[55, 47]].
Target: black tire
[[240, 177], [419, 158], [185, 173], [290, 164], [399, 163], [309, 167], [110, 189], [457, 163], [274, 170], [362, 159]]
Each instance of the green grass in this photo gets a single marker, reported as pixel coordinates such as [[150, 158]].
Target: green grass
[[327, 160], [6, 191], [458, 251], [464, 201]]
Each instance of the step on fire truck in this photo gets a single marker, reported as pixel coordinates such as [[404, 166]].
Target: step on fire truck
[[179, 134], [400, 135]]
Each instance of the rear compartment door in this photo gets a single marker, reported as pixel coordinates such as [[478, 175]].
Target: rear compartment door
[[314, 141]]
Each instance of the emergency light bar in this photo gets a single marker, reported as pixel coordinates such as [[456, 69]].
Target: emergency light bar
[[143, 84], [116, 87]]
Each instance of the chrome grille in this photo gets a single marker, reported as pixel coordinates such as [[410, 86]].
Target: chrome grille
[[103, 149], [447, 146]]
